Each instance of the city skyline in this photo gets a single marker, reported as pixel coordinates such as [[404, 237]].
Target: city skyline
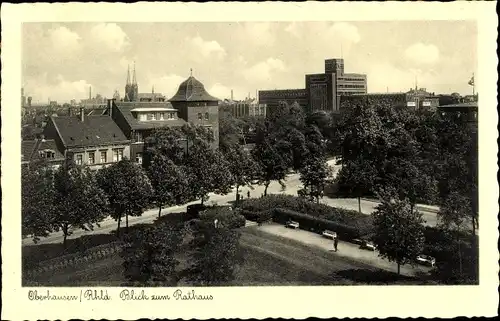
[[243, 57]]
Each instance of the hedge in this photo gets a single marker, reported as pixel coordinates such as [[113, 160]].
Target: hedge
[[228, 218], [316, 224], [353, 219]]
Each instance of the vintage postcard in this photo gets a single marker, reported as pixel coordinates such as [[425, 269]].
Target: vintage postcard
[[249, 160]]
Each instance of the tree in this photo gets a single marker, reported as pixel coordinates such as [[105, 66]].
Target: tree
[[37, 196], [169, 181], [398, 231], [215, 253], [128, 188], [242, 166], [273, 161], [207, 171], [149, 254], [314, 175], [230, 133], [356, 179], [79, 202], [453, 215]]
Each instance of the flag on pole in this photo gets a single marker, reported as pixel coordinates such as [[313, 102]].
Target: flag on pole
[[471, 81]]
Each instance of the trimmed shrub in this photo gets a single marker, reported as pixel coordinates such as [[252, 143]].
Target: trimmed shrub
[[360, 222], [259, 217], [226, 217], [316, 224]]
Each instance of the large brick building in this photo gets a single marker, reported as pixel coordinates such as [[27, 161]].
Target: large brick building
[[322, 91]]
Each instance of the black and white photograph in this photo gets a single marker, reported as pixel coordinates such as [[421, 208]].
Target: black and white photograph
[[193, 155]]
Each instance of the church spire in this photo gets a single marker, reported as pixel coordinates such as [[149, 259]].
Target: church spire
[[128, 75], [134, 80]]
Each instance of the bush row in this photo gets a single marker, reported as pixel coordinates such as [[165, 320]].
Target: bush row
[[356, 221]]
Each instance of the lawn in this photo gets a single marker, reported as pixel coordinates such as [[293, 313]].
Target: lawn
[[269, 260]]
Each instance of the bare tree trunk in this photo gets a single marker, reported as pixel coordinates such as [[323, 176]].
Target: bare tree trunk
[[65, 232], [460, 257], [411, 207], [237, 191], [202, 199], [118, 228], [359, 204], [399, 268], [159, 212], [265, 189], [126, 221]]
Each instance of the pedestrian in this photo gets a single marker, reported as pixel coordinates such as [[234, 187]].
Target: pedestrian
[[248, 194], [335, 243]]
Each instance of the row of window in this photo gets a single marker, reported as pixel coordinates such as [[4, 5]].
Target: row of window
[[351, 79], [351, 86], [117, 156], [156, 116], [200, 116]]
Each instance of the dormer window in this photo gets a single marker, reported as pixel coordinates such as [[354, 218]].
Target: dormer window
[[47, 153]]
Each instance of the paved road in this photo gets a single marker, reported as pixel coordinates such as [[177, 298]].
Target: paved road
[[292, 186]]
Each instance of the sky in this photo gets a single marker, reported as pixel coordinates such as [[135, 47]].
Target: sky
[[60, 61]]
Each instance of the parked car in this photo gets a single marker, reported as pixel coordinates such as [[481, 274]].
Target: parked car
[[292, 224], [193, 210], [367, 245], [357, 241], [329, 234], [426, 260]]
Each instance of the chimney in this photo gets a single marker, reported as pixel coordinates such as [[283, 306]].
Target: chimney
[[70, 111], [90, 92], [232, 94], [29, 101], [110, 107], [82, 114]]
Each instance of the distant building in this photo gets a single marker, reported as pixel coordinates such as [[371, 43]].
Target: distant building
[[241, 109], [95, 141], [419, 98], [273, 99], [132, 92], [468, 111], [322, 91]]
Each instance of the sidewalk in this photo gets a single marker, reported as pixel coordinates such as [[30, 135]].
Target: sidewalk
[[420, 207], [345, 249]]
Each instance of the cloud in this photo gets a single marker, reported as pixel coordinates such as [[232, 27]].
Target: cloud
[[422, 54], [58, 88], [64, 39], [167, 84], [385, 76], [224, 92], [110, 35], [346, 31], [262, 70], [202, 49], [259, 33]]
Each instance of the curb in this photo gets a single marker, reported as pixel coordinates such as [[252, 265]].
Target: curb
[[426, 208]]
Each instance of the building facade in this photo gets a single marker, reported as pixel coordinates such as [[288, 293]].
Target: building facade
[[322, 91], [137, 120], [273, 99], [94, 141], [196, 106], [242, 109]]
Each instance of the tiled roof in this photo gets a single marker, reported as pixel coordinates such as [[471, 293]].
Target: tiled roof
[[150, 95], [192, 90], [93, 131], [125, 108], [30, 148]]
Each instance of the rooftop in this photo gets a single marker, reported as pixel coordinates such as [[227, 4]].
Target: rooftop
[[30, 148], [93, 131], [192, 90], [128, 108]]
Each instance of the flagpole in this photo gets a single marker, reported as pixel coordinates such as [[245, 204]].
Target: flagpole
[[473, 86]]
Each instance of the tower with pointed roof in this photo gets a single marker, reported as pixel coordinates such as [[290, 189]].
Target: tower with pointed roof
[[131, 87], [197, 106]]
